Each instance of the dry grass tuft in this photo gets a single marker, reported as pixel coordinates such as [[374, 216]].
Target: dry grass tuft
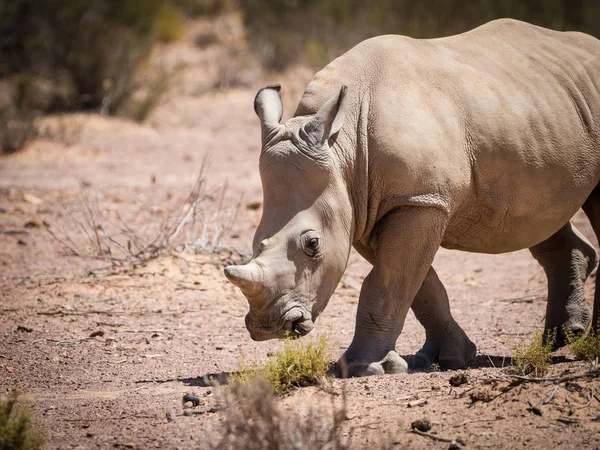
[[253, 420], [585, 348], [16, 431], [300, 363], [534, 358]]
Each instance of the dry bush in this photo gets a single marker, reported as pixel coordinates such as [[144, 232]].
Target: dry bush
[[585, 348], [253, 420], [17, 116], [16, 431], [15, 132], [300, 363], [534, 357], [150, 92], [198, 224]]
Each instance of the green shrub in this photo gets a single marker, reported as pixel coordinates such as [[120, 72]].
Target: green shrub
[[300, 363], [94, 47], [16, 431], [534, 358], [586, 348]]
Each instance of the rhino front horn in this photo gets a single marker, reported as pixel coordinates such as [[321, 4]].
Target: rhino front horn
[[247, 277]]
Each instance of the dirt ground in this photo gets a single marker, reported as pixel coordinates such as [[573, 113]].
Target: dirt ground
[[104, 354]]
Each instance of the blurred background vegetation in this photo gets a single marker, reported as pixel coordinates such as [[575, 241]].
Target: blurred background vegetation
[[73, 55], [316, 31]]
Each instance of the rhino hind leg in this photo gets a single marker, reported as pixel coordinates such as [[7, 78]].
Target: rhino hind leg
[[446, 343], [568, 258], [592, 209]]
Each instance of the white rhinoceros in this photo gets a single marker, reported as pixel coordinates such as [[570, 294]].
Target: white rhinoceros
[[488, 141]]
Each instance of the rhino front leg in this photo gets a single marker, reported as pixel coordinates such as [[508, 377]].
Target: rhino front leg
[[404, 242], [568, 259], [446, 343]]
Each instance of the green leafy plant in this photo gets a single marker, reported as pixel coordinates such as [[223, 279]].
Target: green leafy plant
[[586, 347], [16, 431], [534, 357]]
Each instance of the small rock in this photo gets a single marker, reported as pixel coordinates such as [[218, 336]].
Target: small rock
[[421, 425], [97, 333], [253, 206], [419, 402], [24, 329], [34, 223], [188, 405], [2, 210], [32, 199], [195, 400], [21, 242], [458, 379]]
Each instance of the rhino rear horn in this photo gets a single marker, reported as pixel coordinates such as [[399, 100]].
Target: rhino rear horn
[[248, 278], [329, 119], [269, 107]]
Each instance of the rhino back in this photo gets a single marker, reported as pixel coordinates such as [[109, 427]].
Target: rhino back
[[502, 122]]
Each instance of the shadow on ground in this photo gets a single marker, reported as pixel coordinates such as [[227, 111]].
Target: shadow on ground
[[223, 378]]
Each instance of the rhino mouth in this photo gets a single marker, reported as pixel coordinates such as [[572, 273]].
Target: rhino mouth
[[295, 323], [299, 327]]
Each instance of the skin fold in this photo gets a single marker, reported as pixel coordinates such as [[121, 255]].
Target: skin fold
[[488, 141]]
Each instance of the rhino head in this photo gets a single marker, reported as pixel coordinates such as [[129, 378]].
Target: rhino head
[[302, 244]]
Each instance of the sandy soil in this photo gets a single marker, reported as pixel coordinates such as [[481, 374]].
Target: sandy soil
[[103, 357]]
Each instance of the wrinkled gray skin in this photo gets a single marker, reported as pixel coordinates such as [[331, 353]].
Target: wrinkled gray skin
[[488, 141]]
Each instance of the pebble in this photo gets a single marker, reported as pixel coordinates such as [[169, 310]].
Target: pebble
[[194, 399], [421, 425]]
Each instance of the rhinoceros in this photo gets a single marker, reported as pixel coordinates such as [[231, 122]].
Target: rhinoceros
[[487, 141]]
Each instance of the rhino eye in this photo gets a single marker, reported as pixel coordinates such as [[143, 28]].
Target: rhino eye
[[311, 247]]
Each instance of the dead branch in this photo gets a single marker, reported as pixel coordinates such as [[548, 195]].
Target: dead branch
[[568, 420], [550, 397], [589, 374], [431, 436], [526, 299]]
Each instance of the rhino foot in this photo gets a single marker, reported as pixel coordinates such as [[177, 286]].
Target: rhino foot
[[453, 351], [392, 363]]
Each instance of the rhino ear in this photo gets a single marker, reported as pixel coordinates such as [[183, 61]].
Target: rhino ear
[[269, 108], [328, 120]]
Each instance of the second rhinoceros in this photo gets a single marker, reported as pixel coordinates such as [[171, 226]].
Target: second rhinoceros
[[488, 141]]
